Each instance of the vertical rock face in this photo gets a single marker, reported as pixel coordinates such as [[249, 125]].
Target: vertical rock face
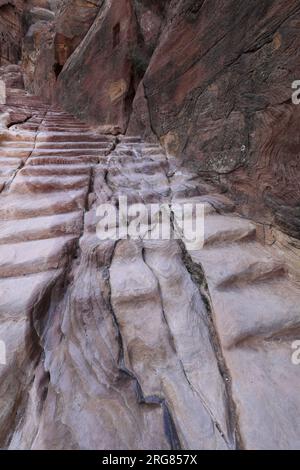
[[73, 20], [52, 31], [38, 47], [10, 31], [217, 91], [98, 76]]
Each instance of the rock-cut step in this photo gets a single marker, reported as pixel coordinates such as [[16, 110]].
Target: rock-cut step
[[68, 152], [256, 312], [58, 160], [71, 137], [71, 145], [13, 162], [58, 170], [15, 152], [35, 256], [30, 290], [16, 144]]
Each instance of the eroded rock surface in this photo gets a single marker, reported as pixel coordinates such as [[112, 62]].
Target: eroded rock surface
[[214, 85]]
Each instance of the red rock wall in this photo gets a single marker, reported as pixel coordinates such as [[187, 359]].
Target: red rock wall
[[97, 80]]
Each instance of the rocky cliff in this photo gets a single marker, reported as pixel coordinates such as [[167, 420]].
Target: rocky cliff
[[211, 81], [149, 343]]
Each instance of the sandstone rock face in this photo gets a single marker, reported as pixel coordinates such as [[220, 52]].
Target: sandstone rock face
[[73, 20], [12, 76], [52, 32], [10, 31], [38, 47], [217, 91], [135, 344], [100, 80]]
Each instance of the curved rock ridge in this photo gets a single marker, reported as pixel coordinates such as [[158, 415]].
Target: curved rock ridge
[[124, 344]]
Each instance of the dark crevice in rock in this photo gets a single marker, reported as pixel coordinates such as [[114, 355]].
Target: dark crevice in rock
[[57, 68], [152, 127], [129, 98], [116, 35]]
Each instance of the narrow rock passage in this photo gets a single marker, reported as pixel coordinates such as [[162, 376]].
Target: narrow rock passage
[[134, 345]]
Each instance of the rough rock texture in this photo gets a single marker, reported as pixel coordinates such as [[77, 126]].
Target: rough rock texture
[[100, 79], [211, 81], [217, 91], [38, 47], [73, 21], [99, 74], [135, 344], [52, 31], [10, 31]]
